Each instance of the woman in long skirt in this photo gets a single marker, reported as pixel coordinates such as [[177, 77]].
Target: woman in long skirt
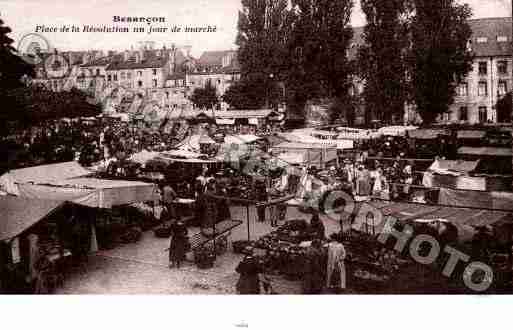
[[179, 244]]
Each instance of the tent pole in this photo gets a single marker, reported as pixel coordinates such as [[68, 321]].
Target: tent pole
[[247, 221]]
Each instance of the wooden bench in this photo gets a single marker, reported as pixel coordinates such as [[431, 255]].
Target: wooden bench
[[221, 228]]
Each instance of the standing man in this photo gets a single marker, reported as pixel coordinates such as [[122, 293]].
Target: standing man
[[336, 256], [261, 195]]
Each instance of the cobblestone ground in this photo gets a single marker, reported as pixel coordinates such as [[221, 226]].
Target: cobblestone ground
[[142, 267]]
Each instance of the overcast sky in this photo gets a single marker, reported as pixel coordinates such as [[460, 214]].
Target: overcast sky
[[23, 16]]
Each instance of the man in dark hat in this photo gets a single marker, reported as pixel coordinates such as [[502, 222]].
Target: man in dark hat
[[179, 244], [249, 282]]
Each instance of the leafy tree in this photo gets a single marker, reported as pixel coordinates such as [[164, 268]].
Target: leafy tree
[[246, 94], [503, 108], [35, 104], [12, 67], [205, 97], [382, 58], [440, 58], [263, 27], [319, 43]]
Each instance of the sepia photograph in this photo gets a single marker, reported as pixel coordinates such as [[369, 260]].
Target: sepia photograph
[[256, 147]]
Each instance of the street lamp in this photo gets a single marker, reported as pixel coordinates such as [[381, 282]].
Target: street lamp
[[271, 76]]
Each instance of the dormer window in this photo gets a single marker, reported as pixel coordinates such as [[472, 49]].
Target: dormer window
[[502, 39], [481, 40]]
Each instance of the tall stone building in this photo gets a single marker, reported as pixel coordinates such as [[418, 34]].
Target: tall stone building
[[491, 75]]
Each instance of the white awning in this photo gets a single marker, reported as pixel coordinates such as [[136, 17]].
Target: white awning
[[222, 121], [253, 121]]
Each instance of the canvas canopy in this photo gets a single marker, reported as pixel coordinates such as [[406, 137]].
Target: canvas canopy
[[223, 121], [471, 134], [292, 158], [46, 173], [91, 192], [19, 214], [427, 134], [485, 151], [459, 216], [395, 130], [453, 167], [491, 200]]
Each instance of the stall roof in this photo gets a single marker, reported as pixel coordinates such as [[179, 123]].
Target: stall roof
[[19, 214], [47, 173], [292, 158], [396, 130], [485, 151], [427, 133], [463, 216], [471, 134], [460, 166]]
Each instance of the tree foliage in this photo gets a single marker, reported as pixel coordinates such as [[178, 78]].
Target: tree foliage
[[440, 58], [12, 67], [34, 104], [382, 58], [503, 108], [246, 94], [263, 30], [320, 39], [205, 97]]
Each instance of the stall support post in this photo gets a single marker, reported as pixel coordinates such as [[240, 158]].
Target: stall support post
[[247, 221], [215, 237]]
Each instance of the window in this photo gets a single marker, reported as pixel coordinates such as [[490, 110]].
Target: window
[[122, 75], [139, 73], [167, 95], [463, 89], [464, 113], [139, 84], [446, 116], [502, 67], [482, 89], [115, 77], [482, 114], [154, 72], [154, 82], [109, 77], [483, 68], [502, 39], [97, 72], [128, 75], [482, 40], [503, 88]]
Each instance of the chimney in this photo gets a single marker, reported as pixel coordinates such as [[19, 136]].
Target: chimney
[[172, 60], [85, 58], [187, 50], [137, 57]]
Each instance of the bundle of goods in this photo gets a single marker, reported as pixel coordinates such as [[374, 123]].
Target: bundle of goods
[[163, 231], [221, 245], [140, 214], [240, 246], [131, 235], [204, 257]]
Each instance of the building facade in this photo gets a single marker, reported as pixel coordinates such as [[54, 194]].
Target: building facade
[[490, 78]]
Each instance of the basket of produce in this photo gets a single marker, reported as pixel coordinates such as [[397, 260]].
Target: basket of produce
[[239, 246], [163, 231], [131, 235], [204, 258]]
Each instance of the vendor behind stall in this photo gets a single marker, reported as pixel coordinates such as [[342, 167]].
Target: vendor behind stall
[[316, 227], [249, 281]]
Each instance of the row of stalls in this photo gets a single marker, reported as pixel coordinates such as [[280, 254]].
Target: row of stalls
[[373, 266], [56, 214]]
